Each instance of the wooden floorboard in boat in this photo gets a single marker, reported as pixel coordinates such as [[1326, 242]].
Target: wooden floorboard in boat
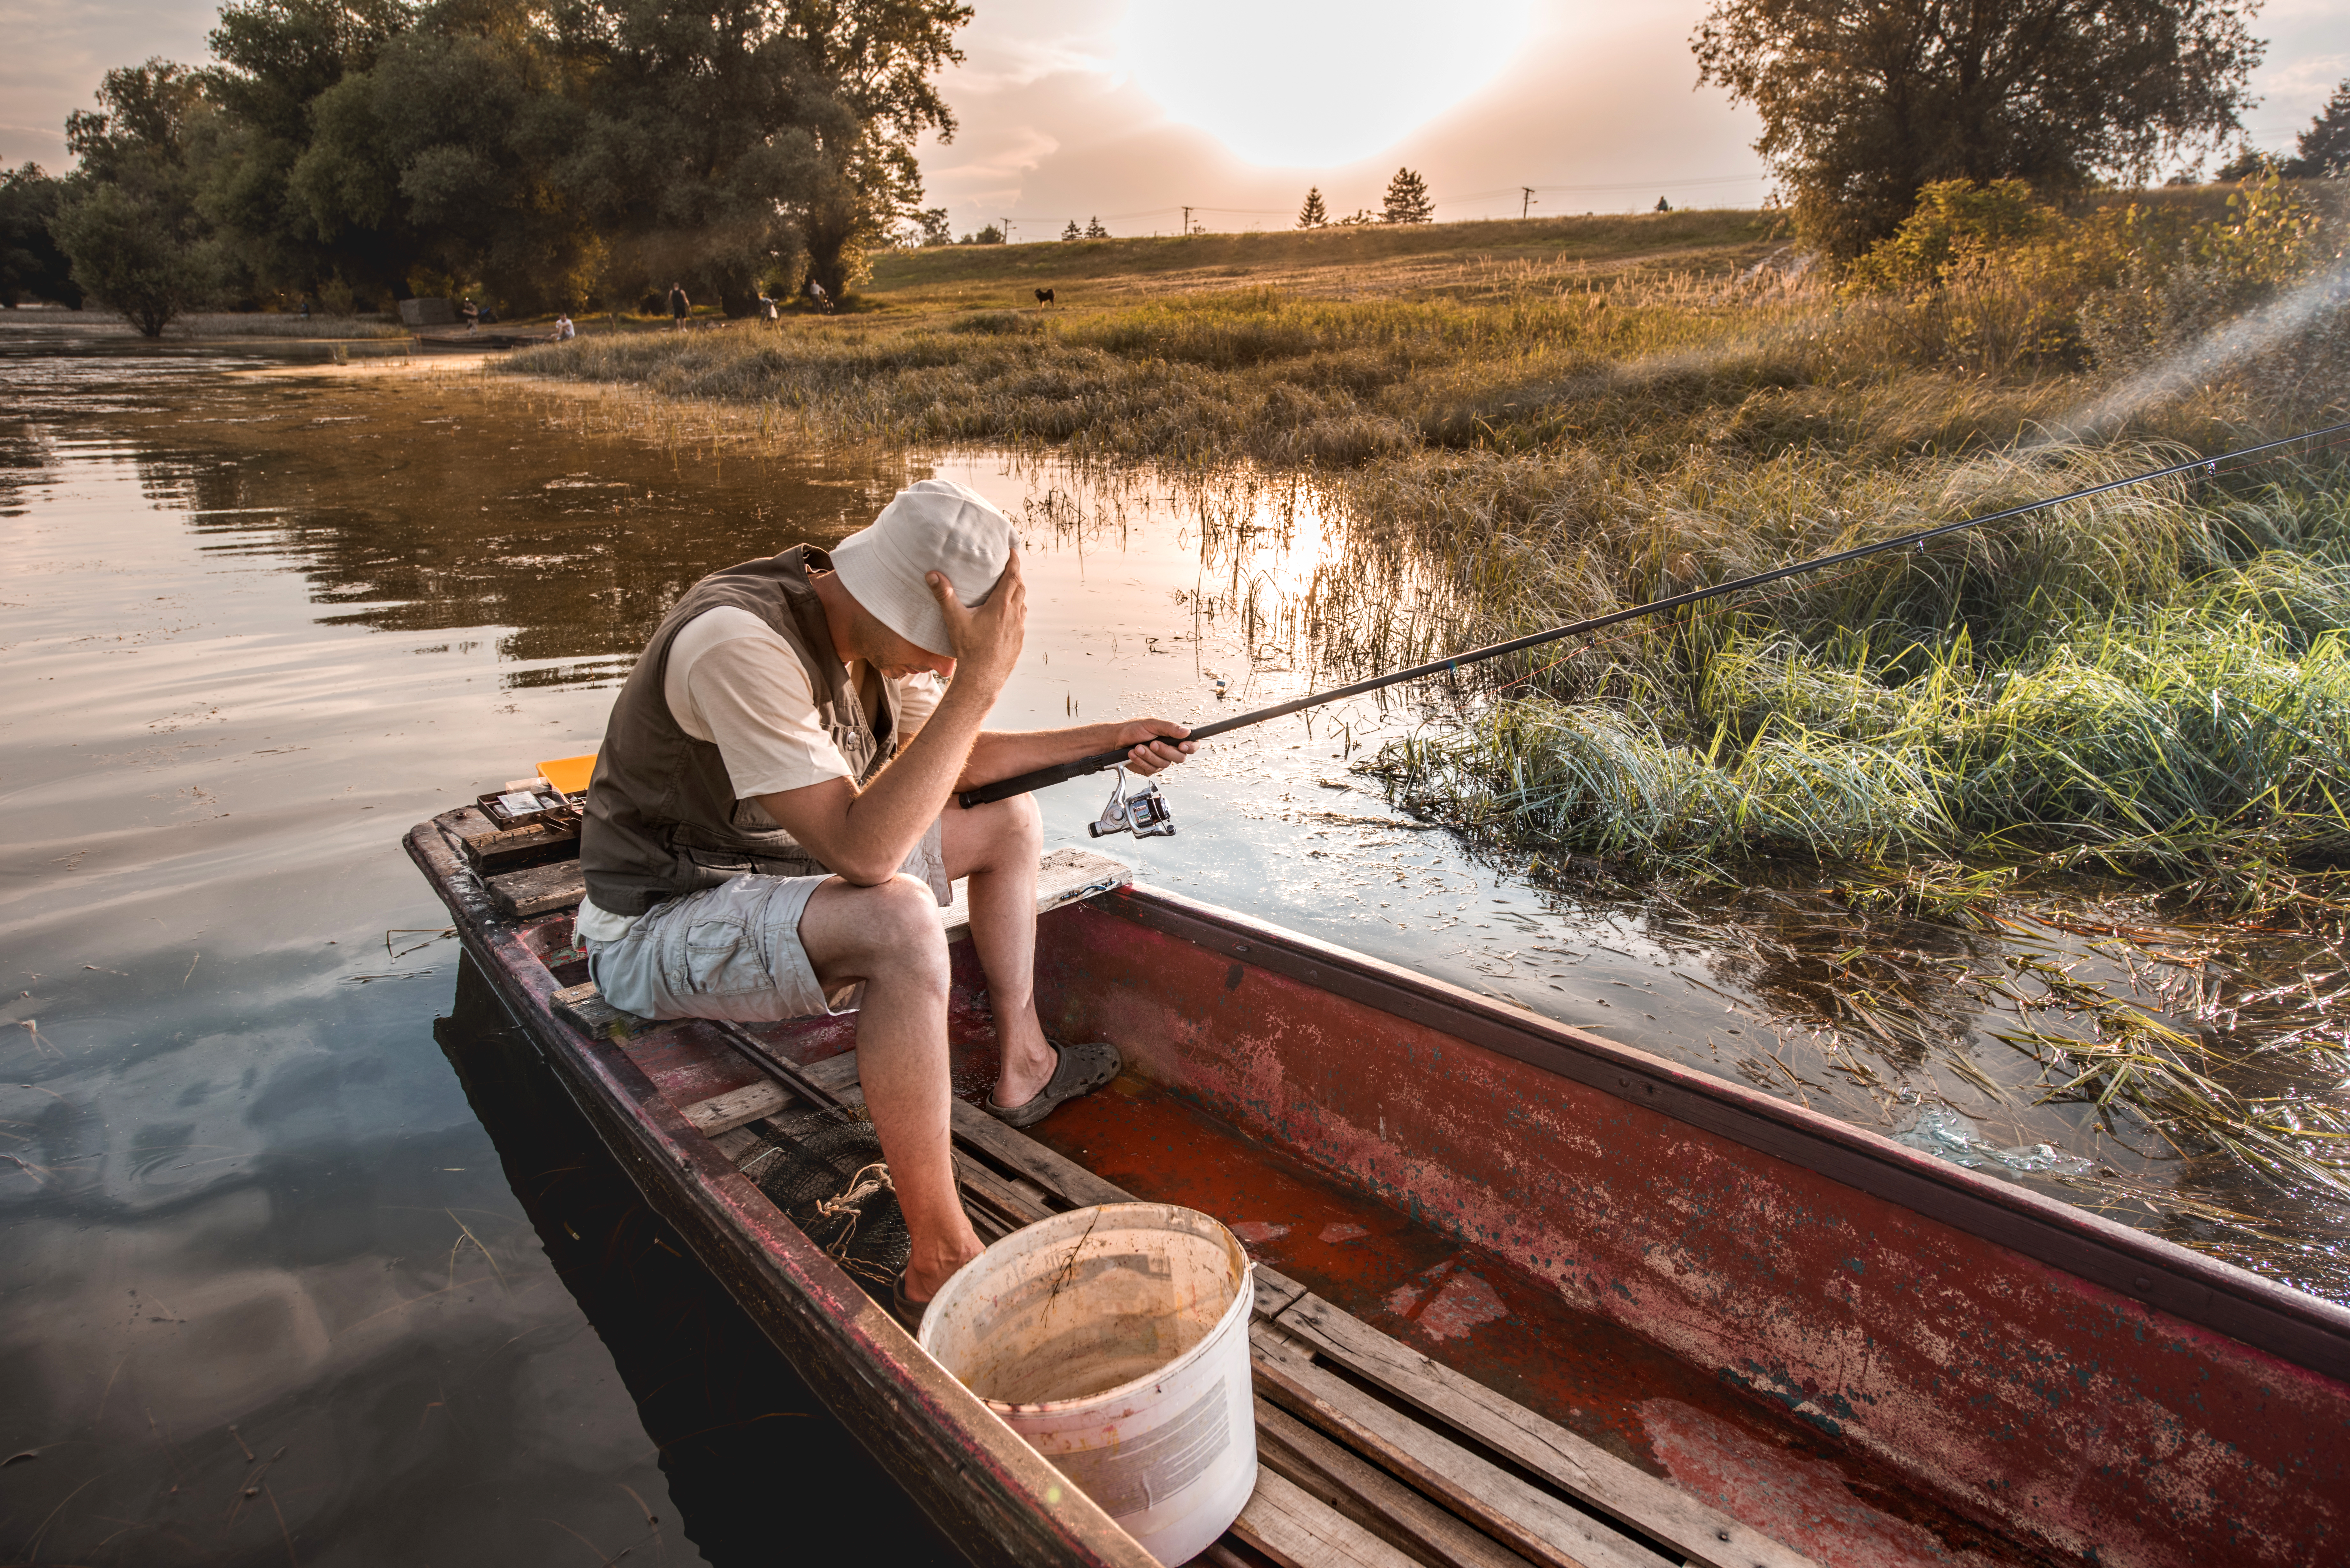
[[1009, 1183], [1658, 1507], [1368, 1495], [1536, 1525], [1298, 1529]]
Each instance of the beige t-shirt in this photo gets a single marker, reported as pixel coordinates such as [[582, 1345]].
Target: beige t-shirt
[[731, 681]]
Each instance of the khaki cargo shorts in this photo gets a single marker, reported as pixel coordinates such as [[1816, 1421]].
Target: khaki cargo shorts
[[733, 950]]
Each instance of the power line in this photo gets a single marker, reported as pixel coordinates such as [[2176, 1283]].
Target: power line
[[1527, 194]]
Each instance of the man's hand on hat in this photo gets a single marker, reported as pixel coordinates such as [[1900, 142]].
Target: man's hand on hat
[[1154, 744], [987, 641]]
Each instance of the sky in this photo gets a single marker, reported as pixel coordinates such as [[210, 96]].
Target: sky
[[1128, 110]]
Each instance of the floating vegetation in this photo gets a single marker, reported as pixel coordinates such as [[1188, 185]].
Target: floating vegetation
[[2147, 1079], [2186, 1076]]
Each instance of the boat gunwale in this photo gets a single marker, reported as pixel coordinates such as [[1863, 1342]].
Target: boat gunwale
[[2303, 1330], [945, 1445]]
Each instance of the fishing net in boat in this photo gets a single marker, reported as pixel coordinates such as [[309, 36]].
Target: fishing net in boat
[[824, 1169]]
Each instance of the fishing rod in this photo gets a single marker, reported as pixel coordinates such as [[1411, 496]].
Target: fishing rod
[[1143, 812]]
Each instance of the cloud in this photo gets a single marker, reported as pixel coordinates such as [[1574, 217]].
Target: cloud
[[1319, 81], [1585, 98], [59, 48]]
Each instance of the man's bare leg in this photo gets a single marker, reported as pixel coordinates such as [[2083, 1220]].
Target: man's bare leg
[[996, 847], [889, 937]]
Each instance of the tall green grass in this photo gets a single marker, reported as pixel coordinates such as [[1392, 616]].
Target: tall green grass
[[2150, 682], [2156, 682]]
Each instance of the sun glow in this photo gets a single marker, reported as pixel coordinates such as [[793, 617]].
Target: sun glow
[[1314, 83]]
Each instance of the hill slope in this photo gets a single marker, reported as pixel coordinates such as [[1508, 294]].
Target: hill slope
[[1345, 263]]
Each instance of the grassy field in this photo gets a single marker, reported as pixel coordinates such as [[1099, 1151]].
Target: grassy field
[[1520, 424], [1370, 260], [1534, 422]]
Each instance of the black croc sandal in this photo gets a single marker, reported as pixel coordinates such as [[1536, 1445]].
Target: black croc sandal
[[1080, 1070], [909, 1312]]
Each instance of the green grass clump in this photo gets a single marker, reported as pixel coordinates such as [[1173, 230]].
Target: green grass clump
[[2154, 684]]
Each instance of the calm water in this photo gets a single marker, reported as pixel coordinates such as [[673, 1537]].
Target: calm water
[[299, 1256]]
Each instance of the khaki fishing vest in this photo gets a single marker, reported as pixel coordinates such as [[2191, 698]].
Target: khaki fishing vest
[[661, 818]]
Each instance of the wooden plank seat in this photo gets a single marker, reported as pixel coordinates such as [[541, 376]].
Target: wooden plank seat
[[1063, 877]]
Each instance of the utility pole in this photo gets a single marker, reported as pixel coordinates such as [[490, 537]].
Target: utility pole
[[1007, 229], [1524, 206], [1187, 220]]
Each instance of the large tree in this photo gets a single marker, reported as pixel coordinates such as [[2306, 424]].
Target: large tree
[[31, 265], [550, 151], [1866, 102], [731, 142], [128, 218], [278, 60], [448, 152]]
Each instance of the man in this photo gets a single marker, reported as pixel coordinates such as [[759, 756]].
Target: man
[[680, 307], [771, 822]]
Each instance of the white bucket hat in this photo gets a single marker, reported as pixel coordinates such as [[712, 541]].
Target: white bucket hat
[[936, 526]]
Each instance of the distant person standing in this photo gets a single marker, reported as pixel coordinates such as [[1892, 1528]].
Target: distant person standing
[[767, 306], [680, 307], [817, 297]]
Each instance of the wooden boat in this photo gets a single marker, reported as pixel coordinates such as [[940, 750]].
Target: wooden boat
[[1524, 1295], [460, 341]]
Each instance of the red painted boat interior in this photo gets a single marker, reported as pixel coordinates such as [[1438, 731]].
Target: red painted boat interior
[[1866, 1386], [1476, 1312]]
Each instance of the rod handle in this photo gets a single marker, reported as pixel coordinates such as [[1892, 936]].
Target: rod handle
[[1059, 773]]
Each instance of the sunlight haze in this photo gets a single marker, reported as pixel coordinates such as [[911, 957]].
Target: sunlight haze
[[1077, 109], [1320, 83]]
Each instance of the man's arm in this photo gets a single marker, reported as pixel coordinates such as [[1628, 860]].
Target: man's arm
[[864, 836], [1151, 744]]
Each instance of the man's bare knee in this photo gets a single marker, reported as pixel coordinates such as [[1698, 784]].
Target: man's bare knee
[[899, 923], [1013, 829]]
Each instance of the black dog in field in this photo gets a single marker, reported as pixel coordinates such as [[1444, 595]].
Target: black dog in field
[[1043, 296]]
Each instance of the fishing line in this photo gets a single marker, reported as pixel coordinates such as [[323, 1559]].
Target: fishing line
[[1130, 813]]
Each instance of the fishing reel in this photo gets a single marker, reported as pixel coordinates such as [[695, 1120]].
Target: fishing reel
[[1141, 810]]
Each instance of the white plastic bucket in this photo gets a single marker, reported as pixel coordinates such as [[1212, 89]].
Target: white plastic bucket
[[1115, 1339]]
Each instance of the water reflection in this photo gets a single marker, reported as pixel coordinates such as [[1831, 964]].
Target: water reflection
[[267, 1288], [732, 1423]]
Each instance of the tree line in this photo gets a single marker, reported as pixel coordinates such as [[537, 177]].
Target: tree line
[[584, 152], [1866, 103], [1406, 201], [562, 154]]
